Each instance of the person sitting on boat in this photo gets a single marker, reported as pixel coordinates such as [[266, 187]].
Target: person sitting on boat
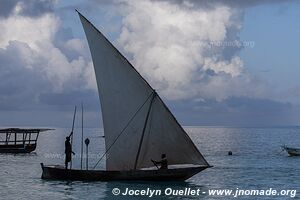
[[68, 151], [163, 162]]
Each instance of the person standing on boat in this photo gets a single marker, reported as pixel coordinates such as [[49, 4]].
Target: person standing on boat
[[163, 162], [68, 151]]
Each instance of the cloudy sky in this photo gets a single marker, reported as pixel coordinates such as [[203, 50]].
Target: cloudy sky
[[220, 63]]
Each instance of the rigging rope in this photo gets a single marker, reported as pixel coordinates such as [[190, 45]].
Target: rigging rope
[[123, 129]]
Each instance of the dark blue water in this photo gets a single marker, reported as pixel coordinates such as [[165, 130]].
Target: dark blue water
[[257, 163]]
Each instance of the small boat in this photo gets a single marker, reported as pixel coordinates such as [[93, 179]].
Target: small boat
[[19, 140], [138, 126], [292, 151]]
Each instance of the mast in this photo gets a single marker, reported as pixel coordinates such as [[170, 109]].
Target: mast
[[71, 134], [81, 154], [144, 128]]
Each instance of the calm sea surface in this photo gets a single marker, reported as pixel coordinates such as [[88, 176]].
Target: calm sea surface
[[257, 163]]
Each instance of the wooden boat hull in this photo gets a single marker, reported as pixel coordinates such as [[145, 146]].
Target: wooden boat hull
[[54, 172], [292, 151], [18, 148]]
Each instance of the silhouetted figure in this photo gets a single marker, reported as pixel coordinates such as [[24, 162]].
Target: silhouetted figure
[[163, 162], [68, 151]]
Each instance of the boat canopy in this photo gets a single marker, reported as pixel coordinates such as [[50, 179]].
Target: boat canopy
[[19, 140], [24, 130]]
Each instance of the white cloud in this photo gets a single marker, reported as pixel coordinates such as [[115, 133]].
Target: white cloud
[[42, 55], [233, 67], [170, 44], [76, 45], [32, 31]]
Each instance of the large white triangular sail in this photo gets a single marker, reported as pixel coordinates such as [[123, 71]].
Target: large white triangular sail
[[138, 126]]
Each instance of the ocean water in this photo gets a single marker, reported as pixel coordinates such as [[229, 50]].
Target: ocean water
[[257, 163]]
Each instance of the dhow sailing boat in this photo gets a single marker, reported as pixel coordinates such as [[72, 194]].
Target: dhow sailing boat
[[138, 126]]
